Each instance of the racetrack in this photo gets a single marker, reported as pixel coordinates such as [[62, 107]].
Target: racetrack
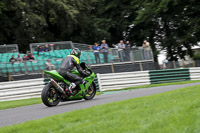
[[33, 112]]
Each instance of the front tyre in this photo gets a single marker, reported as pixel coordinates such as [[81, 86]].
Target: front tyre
[[90, 92], [50, 96]]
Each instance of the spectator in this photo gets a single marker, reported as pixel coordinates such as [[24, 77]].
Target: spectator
[[19, 59], [165, 62], [121, 50], [127, 51], [96, 50], [46, 48], [39, 48], [12, 59], [24, 58], [30, 56], [104, 50], [146, 47], [50, 65]]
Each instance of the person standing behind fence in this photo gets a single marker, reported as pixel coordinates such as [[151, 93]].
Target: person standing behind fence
[[96, 50], [127, 51], [104, 50], [121, 49], [146, 47]]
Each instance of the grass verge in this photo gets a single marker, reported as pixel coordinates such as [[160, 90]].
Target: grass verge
[[175, 111], [24, 102], [18, 103], [156, 85]]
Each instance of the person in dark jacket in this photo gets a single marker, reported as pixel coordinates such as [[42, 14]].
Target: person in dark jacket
[[30, 57], [12, 59], [70, 62], [96, 50]]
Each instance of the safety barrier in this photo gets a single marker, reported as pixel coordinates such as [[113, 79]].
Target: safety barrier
[[195, 73], [23, 89], [121, 80], [169, 75]]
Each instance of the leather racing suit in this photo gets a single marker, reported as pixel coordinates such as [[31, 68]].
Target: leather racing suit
[[69, 63]]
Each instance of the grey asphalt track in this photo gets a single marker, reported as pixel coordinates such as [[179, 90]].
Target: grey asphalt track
[[38, 111]]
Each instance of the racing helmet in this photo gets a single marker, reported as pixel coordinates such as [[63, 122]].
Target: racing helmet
[[76, 52]]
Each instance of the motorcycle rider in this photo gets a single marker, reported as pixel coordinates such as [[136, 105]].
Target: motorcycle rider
[[70, 62]]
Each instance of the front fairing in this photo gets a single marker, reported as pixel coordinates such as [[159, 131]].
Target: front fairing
[[89, 80]]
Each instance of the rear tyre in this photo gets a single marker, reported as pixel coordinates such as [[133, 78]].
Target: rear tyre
[[90, 92], [50, 96]]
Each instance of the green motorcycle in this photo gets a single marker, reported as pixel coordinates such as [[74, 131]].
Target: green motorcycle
[[53, 93]]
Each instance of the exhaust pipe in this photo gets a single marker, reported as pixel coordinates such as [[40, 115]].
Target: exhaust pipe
[[58, 87]]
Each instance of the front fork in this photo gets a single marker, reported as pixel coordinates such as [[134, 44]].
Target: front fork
[[83, 87]]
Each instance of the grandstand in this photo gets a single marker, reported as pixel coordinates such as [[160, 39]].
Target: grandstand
[[38, 64], [58, 52]]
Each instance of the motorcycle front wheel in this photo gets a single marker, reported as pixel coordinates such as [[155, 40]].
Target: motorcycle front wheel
[[50, 96], [90, 92]]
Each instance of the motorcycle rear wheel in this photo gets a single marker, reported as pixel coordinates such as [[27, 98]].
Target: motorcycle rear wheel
[[50, 96]]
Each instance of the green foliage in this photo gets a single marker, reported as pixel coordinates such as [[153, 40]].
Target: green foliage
[[197, 55], [171, 24], [174, 111]]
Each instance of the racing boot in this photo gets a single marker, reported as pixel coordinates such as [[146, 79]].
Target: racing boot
[[71, 87]]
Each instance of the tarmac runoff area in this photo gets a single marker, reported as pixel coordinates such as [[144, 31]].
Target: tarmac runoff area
[[38, 111]]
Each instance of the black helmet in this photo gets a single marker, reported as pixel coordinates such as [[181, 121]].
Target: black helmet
[[76, 52]]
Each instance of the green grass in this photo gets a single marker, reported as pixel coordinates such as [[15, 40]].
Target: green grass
[[18, 103], [171, 112], [24, 102], [156, 85]]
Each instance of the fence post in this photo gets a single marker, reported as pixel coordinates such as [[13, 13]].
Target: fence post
[[141, 68], [10, 78], [112, 68], [42, 74], [174, 63]]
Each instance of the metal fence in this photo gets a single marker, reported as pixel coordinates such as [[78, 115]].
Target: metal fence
[[9, 48], [59, 46], [81, 46], [113, 63], [52, 45]]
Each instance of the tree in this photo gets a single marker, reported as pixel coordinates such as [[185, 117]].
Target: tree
[[39, 21], [173, 23]]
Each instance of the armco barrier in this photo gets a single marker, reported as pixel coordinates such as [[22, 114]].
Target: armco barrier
[[121, 80], [23, 89], [169, 75], [195, 73]]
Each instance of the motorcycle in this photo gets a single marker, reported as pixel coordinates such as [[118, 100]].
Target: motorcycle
[[53, 93]]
